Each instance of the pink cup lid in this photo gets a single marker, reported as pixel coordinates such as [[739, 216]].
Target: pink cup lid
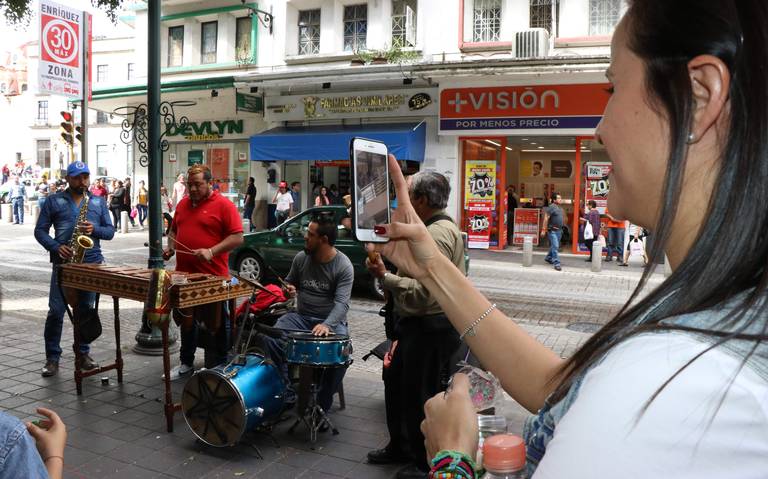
[[504, 453]]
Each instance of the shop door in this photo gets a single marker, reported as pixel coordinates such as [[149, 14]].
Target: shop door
[[219, 164]]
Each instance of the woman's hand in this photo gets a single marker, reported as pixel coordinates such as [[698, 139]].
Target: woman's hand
[[51, 436], [451, 421], [410, 247]]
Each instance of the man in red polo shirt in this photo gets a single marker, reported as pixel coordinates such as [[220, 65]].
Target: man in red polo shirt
[[205, 229]]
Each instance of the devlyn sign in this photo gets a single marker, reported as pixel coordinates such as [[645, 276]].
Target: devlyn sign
[[207, 130]]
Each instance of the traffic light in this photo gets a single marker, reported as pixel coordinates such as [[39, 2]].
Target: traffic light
[[68, 128], [79, 133]]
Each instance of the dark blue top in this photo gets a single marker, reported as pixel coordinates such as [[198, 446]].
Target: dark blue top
[[18, 453], [61, 212]]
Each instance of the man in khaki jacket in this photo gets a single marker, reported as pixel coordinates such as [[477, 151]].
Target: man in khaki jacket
[[426, 339]]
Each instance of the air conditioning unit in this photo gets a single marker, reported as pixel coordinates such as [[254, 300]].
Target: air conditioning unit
[[533, 43]]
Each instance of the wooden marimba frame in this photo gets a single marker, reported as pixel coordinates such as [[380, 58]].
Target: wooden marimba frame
[[133, 283]]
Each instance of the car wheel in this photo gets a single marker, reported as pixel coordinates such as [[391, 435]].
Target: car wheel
[[377, 289], [250, 266]]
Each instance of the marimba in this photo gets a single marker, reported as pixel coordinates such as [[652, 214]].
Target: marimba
[[189, 289]]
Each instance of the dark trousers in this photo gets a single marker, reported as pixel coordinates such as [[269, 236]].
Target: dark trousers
[[419, 370], [589, 243], [116, 216], [217, 342], [169, 219]]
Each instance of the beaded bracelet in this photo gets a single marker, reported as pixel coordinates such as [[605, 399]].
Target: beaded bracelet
[[452, 464], [470, 331]]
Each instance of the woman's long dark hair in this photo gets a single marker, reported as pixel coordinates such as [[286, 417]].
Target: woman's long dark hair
[[730, 254]]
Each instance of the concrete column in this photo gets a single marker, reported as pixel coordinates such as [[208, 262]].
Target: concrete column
[[6, 213], [34, 212], [527, 251], [124, 221], [597, 257]]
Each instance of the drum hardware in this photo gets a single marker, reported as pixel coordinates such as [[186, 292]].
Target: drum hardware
[[313, 416]]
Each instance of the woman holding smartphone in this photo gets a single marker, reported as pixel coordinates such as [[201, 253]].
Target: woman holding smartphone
[[675, 385]]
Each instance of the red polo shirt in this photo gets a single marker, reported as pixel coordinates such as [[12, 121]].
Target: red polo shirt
[[204, 226]]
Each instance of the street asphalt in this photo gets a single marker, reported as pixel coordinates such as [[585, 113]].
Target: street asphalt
[[118, 430]]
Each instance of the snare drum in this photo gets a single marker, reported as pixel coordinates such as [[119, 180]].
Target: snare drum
[[223, 403], [327, 351]]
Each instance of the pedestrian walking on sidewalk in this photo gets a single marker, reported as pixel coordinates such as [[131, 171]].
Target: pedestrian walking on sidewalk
[[117, 203], [142, 202], [552, 228], [592, 218], [615, 239], [675, 384], [18, 195]]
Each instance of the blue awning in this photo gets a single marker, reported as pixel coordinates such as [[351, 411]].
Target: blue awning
[[331, 142]]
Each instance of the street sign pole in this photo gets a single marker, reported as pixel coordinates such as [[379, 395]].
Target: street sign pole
[[86, 56]]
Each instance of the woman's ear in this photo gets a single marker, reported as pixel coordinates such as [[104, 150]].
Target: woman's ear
[[710, 84]]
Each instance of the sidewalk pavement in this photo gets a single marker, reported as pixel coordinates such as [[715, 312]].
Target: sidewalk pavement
[[118, 431]]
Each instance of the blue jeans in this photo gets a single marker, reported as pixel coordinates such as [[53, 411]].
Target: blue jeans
[[54, 322], [41, 201], [332, 377], [616, 242], [18, 210], [248, 215], [554, 246], [142, 210]]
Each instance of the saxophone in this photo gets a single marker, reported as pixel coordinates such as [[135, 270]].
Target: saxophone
[[80, 243]]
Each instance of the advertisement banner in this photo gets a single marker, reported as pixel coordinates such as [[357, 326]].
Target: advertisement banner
[[479, 223], [62, 50], [480, 182], [597, 185], [576, 108], [526, 225]]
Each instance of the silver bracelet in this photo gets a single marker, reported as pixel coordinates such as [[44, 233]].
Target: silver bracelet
[[470, 331]]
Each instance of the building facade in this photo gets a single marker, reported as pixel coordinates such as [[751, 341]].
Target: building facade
[[492, 93]]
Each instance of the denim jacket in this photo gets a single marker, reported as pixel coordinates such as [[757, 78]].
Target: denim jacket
[[61, 212], [540, 428], [18, 453]]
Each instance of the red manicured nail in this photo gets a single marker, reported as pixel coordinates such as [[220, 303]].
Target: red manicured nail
[[379, 230]]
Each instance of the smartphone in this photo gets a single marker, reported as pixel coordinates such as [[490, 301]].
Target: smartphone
[[370, 188]]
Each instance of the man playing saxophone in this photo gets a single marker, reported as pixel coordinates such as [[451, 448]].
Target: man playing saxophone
[[72, 213]]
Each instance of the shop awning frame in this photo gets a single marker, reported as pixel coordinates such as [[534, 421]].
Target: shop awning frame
[[407, 141]]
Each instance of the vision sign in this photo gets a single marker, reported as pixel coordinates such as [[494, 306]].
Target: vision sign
[[62, 49], [540, 108]]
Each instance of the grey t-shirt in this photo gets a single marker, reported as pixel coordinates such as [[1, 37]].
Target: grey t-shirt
[[555, 216], [324, 289]]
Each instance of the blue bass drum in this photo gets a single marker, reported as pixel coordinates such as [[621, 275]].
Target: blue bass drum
[[223, 403], [324, 351]]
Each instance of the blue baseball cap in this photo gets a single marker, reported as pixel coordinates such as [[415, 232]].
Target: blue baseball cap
[[77, 168]]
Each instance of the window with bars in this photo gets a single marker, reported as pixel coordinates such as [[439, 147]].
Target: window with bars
[[603, 16], [102, 73], [404, 23], [541, 14], [208, 33], [486, 20], [309, 32], [243, 38], [102, 156], [44, 153], [175, 46], [355, 27], [42, 111]]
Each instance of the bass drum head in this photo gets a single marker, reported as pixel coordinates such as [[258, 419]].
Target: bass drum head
[[213, 409]]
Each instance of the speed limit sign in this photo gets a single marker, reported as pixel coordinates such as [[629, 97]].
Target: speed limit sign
[[61, 41], [61, 50]]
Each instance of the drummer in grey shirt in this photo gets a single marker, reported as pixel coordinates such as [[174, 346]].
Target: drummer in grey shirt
[[322, 277]]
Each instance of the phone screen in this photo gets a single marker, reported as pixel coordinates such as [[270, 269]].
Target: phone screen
[[371, 183]]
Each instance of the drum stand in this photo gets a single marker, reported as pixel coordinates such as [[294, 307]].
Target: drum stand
[[313, 415]]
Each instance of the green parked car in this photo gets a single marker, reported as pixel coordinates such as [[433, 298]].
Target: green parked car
[[268, 252], [276, 248]]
